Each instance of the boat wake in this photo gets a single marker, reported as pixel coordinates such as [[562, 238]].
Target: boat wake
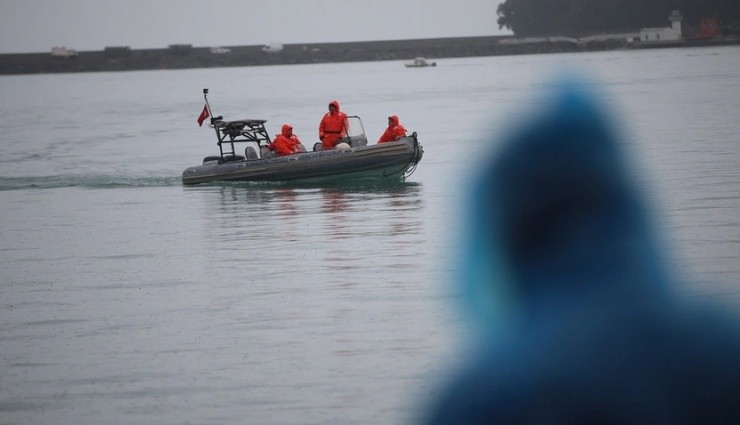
[[101, 181]]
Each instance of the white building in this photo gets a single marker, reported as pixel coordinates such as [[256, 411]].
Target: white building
[[273, 48], [672, 33]]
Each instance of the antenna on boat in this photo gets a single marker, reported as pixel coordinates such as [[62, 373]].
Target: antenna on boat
[[208, 106], [205, 96]]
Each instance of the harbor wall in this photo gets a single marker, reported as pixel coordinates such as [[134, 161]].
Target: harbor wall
[[186, 56]]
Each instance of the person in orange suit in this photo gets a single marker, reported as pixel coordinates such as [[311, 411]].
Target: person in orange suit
[[394, 131], [333, 126], [286, 143]]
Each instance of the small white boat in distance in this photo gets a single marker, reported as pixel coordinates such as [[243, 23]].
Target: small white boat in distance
[[420, 62]]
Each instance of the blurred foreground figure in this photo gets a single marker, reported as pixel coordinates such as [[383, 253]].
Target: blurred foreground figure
[[565, 279]]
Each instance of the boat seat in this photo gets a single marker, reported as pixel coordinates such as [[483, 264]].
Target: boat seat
[[265, 152], [250, 153]]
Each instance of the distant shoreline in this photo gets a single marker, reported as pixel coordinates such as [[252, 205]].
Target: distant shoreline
[[187, 57]]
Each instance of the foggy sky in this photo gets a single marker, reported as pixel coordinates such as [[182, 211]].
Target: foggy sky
[[39, 25]]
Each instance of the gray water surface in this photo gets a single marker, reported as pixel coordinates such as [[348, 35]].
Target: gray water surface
[[128, 298]]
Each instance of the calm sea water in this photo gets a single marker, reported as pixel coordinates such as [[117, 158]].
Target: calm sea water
[[128, 298]]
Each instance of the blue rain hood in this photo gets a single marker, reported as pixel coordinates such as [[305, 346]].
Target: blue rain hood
[[562, 275], [556, 222]]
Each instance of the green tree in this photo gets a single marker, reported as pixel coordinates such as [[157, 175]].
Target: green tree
[[583, 17]]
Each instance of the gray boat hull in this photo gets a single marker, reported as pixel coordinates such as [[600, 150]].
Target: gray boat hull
[[383, 161]]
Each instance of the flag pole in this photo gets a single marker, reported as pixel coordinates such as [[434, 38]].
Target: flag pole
[[205, 96]]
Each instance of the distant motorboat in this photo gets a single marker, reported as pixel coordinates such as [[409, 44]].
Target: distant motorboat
[[420, 62]]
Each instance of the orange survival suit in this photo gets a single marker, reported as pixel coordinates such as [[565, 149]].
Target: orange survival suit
[[333, 126], [285, 143], [394, 131]]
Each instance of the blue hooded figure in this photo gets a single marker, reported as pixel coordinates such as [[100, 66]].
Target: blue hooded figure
[[563, 275]]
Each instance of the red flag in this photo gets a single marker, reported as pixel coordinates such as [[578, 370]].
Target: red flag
[[203, 115]]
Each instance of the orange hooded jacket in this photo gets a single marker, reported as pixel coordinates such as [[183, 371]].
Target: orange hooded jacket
[[394, 131], [285, 143], [333, 126]]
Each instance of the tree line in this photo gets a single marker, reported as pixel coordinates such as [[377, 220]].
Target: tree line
[[585, 17]]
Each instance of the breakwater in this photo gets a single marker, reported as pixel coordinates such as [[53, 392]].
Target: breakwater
[[186, 56]]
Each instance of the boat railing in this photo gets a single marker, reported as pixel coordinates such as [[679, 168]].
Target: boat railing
[[247, 131]]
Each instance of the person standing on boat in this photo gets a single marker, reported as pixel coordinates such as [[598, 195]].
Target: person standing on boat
[[394, 131], [333, 126], [286, 143]]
